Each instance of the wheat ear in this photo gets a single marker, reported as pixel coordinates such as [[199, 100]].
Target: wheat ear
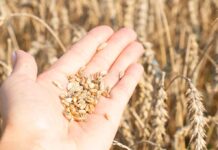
[[196, 117], [160, 115]]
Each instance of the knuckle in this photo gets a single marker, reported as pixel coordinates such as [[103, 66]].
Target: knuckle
[[129, 31]]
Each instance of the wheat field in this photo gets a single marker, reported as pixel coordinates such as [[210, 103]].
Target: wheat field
[[175, 105]]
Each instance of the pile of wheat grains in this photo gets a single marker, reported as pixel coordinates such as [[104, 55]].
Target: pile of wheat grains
[[82, 94]]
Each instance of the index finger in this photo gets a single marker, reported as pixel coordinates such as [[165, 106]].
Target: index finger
[[78, 55], [81, 52]]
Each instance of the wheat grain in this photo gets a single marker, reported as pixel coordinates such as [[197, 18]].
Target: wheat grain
[[106, 116], [82, 95], [102, 46], [121, 74], [178, 26]]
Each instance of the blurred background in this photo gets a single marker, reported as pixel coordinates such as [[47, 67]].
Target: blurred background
[[180, 38]]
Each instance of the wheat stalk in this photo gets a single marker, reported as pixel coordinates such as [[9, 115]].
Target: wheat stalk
[[43, 23], [193, 58], [175, 29], [193, 13], [179, 137], [122, 146], [216, 68]]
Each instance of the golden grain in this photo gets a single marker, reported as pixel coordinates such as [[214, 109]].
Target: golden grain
[[83, 93], [121, 74], [102, 46], [179, 37], [106, 116]]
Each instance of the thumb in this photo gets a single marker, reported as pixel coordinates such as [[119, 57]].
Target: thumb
[[24, 64]]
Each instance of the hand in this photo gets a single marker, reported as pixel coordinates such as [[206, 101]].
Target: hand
[[31, 108]]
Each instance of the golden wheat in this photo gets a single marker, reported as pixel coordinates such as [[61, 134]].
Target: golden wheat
[[179, 38]]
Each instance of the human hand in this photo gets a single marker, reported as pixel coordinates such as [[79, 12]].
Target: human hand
[[30, 105]]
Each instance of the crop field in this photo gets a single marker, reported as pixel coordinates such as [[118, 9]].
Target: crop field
[[175, 105]]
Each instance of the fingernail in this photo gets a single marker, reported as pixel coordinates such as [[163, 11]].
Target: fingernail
[[14, 57]]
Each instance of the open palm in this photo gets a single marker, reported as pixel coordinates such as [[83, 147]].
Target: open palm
[[31, 106]]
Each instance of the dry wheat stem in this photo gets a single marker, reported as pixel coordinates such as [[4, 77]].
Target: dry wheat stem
[[168, 36], [13, 36], [180, 134], [204, 55], [122, 146], [9, 49], [185, 67], [175, 78], [160, 25], [148, 142], [8, 68], [43, 23]]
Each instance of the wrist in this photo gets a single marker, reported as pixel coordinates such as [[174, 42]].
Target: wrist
[[19, 139]]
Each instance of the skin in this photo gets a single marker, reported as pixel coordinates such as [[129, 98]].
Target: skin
[[31, 109]]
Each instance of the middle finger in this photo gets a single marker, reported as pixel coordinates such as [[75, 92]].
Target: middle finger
[[103, 60]]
